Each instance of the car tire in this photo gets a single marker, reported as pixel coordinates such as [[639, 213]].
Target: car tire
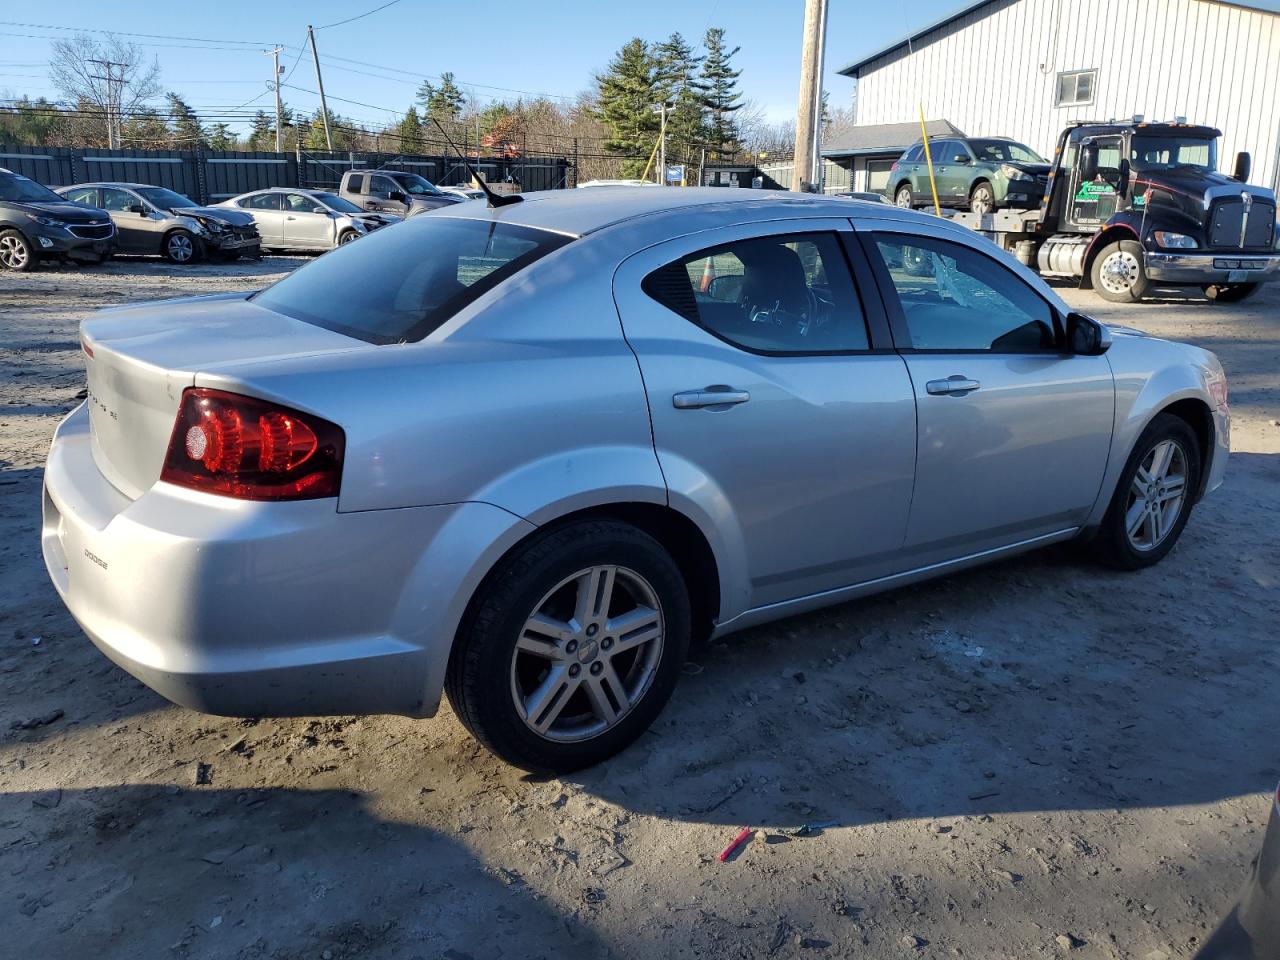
[[982, 199], [347, 236], [902, 197], [505, 680], [181, 247], [1130, 536], [16, 252], [1231, 292], [1119, 272]]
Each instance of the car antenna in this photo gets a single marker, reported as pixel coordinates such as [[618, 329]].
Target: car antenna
[[495, 199]]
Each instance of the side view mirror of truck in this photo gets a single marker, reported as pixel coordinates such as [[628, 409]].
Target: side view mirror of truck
[[397, 196], [1086, 337], [1088, 161], [1123, 186], [1244, 166]]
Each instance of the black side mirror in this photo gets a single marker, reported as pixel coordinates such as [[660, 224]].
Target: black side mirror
[[139, 209], [1088, 161], [397, 196], [1123, 186], [962, 158], [1086, 337], [1244, 166]]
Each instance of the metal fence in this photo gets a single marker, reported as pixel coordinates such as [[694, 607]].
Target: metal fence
[[212, 175]]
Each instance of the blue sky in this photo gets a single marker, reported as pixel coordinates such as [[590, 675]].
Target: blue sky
[[537, 48]]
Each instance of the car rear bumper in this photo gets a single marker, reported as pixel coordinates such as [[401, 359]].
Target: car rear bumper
[[1252, 930], [1212, 267], [263, 609]]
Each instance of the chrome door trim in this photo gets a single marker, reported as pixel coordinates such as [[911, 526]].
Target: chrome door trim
[[787, 608]]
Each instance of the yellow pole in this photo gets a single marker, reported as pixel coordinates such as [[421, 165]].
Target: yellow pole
[[649, 166], [937, 210]]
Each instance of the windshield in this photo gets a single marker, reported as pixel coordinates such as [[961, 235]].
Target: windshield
[[1166, 153], [400, 285], [1001, 151], [165, 199], [18, 189], [336, 203], [412, 183]]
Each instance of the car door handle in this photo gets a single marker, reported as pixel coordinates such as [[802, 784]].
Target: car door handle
[[954, 386], [713, 396], [291, 218]]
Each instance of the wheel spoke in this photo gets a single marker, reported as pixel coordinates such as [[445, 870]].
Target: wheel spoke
[[634, 628], [595, 591], [1134, 519], [607, 694], [1161, 457], [1171, 487], [543, 705]]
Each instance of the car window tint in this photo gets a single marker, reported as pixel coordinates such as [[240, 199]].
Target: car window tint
[[265, 201], [784, 294], [382, 185], [297, 203], [117, 200], [87, 195], [400, 285], [955, 298], [356, 183], [912, 155]]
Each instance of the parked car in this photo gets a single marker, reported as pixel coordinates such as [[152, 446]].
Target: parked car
[[466, 193], [1251, 931], [154, 221], [393, 191], [522, 455], [36, 224], [291, 219], [981, 174]]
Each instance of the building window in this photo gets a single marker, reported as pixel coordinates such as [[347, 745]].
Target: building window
[[1075, 88]]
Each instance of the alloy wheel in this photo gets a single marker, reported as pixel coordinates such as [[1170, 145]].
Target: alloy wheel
[[12, 253], [587, 653], [982, 202], [180, 248], [1120, 271], [903, 198], [1156, 495]]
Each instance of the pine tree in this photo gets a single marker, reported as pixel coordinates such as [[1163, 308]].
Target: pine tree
[[188, 131], [628, 92], [145, 130], [263, 134], [679, 86], [221, 137], [720, 94], [446, 100], [426, 93], [409, 130]]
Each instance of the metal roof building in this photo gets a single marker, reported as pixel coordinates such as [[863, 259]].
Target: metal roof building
[[1026, 68]]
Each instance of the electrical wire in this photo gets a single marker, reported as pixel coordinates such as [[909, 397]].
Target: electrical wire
[[361, 16]]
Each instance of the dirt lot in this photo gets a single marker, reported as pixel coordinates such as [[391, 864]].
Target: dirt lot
[[1036, 759]]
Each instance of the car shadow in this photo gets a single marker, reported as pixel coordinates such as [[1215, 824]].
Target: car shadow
[[153, 871]]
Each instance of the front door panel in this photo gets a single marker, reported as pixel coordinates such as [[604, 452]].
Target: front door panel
[[302, 227], [813, 468]]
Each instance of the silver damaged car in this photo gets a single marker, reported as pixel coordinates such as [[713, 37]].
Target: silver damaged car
[[522, 455], [312, 220]]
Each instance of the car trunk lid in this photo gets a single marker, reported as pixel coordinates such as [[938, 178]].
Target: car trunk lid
[[139, 360]]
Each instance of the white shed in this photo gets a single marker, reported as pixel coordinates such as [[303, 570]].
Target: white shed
[[1026, 68]]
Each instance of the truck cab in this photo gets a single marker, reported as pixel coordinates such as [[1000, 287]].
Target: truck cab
[[393, 191]]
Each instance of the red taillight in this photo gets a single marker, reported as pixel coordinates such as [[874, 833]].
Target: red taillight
[[252, 449], [893, 168]]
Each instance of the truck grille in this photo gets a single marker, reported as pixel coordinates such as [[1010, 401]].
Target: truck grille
[[1228, 219], [97, 232]]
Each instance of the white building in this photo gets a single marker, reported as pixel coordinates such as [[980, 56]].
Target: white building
[[1026, 68]]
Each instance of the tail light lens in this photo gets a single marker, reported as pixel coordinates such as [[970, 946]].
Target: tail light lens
[[252, 449]]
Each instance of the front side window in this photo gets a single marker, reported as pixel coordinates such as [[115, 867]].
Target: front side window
[[955, 298], [382, 186], [299, 203], [1075, 88], [118, 201], [783, 294], [399, 285]]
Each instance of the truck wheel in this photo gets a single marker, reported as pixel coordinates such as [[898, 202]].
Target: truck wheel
[[903, 197], [983, 199], [1118, 273], [16, 252], [1230, 292]]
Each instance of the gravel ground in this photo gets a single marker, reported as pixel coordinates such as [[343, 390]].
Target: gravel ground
[[1035, 759]]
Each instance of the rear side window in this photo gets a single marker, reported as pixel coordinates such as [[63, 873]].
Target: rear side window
[[788, 294], [356, 183], [914, 154], [87, 195], [264, 201], [954, 298], [400, 284]]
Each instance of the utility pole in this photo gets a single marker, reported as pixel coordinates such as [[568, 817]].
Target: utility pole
[[324, 106], [115, 86], [817, 107], [815, 19], [275, 82]]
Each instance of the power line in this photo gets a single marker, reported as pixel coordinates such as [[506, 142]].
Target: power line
[[125, 33], [361, 16]]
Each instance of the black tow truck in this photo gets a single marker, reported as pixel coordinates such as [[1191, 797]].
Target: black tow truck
[[1132, 205]]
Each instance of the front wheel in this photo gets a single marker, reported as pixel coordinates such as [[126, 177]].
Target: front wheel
[[1153, 498], [347, 236], [15, 252], [571, 648], [1119, 273], [1231, 292], [180, 246]]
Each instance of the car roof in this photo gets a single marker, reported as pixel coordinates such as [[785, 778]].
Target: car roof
[[579, 212], [115, 183]]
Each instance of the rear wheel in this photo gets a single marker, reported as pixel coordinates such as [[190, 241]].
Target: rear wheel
[[982, 199], [15, 252], [1118, 273], [1153, 498], [1230, 292], [903, 196], [572, 647]]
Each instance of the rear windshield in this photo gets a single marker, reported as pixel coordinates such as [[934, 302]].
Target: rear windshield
[[402, 282]]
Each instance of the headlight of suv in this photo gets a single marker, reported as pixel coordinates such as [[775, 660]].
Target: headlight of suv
[[1174, 241], [47, 221], [1013, 173]]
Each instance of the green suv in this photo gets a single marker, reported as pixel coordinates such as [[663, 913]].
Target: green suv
[[978, 174]]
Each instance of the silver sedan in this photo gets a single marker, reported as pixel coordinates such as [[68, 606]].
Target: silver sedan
[[524, 455], [312, 220]]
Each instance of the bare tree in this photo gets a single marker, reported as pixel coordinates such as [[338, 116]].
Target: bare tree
[[111, 76]]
